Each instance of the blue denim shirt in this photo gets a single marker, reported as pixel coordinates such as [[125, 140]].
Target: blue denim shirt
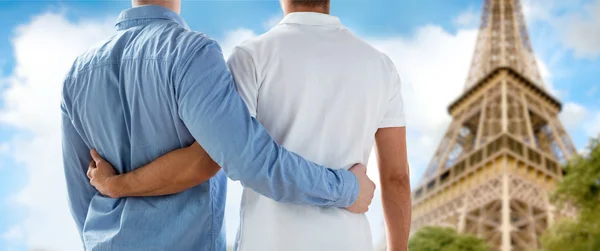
[[153, 87]]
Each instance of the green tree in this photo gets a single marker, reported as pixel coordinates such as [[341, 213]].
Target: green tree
[[445, 239], [579, 188]]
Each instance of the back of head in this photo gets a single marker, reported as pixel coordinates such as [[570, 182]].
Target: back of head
[[311, 3], [174, 5], [305, 6]]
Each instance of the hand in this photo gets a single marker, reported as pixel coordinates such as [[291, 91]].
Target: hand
[[366, 192], [102, 175]]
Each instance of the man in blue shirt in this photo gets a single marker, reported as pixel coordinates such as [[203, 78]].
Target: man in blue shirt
[[154, 87]]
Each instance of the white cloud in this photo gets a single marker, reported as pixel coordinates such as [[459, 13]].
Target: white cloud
[[3, 63], [31, 104], [576, 22], [578, 118], [14, 234], [581, 31], [546, 75], [535, 10], [469, 18], [4, 148], [234, 38], [274, 20], [573, 115], [12, 238], [4, 151], [547, 10], [592, 125]]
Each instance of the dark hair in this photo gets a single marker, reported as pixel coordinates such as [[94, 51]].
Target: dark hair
[[311, 3]]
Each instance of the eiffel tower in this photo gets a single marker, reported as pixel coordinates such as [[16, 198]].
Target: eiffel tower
[[502, 154]]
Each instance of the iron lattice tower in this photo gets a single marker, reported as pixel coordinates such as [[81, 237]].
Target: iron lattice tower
[[502, 153]]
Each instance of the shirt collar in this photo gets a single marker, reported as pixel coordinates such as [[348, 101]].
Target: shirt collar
[[312, 18], [145, 14]]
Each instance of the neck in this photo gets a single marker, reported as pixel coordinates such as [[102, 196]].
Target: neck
[[302, 8], [174, 6]]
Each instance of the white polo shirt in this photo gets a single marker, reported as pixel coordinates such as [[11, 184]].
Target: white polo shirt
[[323, 93]]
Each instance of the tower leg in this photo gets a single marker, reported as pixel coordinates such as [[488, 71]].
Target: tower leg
[[462, 218], [506, 226]]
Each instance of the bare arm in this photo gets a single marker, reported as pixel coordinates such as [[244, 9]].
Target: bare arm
[[395, 185], [171, 173]]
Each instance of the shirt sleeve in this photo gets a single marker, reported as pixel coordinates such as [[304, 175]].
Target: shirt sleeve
[[243, 70], [394, 114], [76, 159], [219, 120]]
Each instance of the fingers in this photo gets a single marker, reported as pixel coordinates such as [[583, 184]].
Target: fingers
[[367, 190], [91, 169], [358, 209], [96, 156]]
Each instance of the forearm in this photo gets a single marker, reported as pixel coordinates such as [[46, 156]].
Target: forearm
[[288, 178], [171, 173], [397, 212], [394, 175]]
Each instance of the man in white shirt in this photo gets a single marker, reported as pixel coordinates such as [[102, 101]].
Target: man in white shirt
[[322, 93], [309, 81]]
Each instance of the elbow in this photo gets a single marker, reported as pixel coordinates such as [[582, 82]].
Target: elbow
[[396, 181], [202, 167], [211, 170], [204, 171]]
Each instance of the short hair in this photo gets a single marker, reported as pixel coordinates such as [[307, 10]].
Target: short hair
[[311, 3]]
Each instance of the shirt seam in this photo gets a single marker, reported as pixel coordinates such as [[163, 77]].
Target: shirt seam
[[212, 222], [126, 24], [393, 122], [188, 60], [344, 185], [240, 235], [145, 17], [320, 25], [355, 188], [254, 112], [255, 68], [90, 68]]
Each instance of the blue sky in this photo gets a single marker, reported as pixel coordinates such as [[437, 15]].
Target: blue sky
[[429, 40]]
